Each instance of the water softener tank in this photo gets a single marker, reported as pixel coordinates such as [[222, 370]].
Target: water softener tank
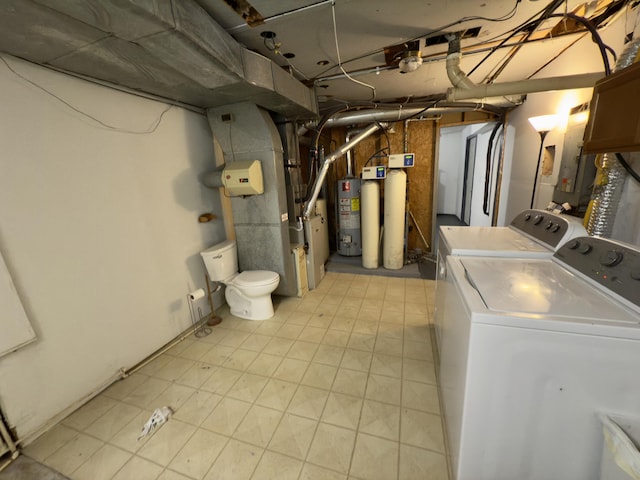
[[370, 199], [395, 194], [348, 209]]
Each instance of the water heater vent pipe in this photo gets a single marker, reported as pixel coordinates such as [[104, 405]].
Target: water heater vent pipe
[[332, 157]]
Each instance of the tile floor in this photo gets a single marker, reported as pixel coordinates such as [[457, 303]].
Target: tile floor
[[340, 384]]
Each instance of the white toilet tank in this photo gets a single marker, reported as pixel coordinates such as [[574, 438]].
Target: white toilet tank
[[221, 260]]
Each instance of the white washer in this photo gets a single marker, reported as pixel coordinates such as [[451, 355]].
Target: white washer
[[532, 350], [532, 234]]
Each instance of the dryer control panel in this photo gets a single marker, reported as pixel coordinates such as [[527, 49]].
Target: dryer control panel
[[614, 265], [549, 228]]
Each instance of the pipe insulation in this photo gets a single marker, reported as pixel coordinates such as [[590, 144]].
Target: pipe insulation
[[395, 195], [585, 80], [611, 177], [332, 157], [370, 223], [456, 76]]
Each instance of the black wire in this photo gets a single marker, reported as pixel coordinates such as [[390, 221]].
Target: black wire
[[628, 168], [487, 172], [375, 154], [384, 130]]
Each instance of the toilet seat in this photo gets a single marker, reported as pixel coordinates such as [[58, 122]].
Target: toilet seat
[[254, 278]]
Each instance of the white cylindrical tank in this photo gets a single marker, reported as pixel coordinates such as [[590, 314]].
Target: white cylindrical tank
[[370, 222], [221, 260], [395, 191], [348, 241]]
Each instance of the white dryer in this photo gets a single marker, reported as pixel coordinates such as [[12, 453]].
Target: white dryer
[[532, 234], [532, 350]]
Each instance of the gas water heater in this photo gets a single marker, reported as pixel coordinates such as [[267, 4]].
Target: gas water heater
[[348, 214]]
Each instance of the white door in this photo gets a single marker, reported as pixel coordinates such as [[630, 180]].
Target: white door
[[15, 329]]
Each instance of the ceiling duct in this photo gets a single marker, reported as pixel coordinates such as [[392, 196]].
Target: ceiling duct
[[169, 48]]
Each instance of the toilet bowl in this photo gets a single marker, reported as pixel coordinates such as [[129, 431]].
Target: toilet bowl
[[248, 293]]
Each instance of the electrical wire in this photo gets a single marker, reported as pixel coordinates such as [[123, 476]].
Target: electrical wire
[[335, 36], [376, 154], [487, 173], [154, 126], [627, 167]]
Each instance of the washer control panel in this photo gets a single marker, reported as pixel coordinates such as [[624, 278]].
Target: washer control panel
[[551, 229], [614, 265]]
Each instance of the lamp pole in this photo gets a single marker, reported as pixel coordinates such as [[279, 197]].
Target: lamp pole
[[543, 134]]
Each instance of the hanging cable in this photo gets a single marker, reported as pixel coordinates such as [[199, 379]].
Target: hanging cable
[[628, 168], [487, 173], [335, 36]]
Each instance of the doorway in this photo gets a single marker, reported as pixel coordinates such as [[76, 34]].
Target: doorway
[[467, 184]]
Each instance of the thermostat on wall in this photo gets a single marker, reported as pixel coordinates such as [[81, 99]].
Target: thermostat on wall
[[401, 160], [374, 173]]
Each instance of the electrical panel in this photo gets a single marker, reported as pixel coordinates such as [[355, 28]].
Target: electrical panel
[[402, 160], [374, 173]]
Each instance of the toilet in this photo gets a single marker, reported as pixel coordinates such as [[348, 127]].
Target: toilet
[[248, 294]]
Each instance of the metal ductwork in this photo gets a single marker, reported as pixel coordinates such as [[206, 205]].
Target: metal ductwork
[[169, 48], [464, 89]]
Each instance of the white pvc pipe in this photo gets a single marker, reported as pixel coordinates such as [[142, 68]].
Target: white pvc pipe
[[395, 192], [585, 80], [370, 223]]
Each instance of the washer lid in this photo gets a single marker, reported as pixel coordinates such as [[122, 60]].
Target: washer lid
[[255, 278], [492, 242]]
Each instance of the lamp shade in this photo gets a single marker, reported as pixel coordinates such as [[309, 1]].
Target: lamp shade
[[544, 123]]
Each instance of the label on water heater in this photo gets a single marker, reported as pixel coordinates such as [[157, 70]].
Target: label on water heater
[[355, 204]]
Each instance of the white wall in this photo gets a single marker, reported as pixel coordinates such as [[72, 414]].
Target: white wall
[[584, 57], [451, 150], [99, 229]]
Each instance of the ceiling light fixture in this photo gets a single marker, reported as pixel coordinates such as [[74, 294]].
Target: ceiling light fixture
[[410, 61]]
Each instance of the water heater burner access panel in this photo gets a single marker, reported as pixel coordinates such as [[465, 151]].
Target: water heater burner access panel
[[402, 160]]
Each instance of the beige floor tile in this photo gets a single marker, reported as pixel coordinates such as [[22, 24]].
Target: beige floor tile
[[319, 375], [375, 458], [422, 464], [199, 453], [121, 389], [366, 327], [320, 320], [308, 402], [127, 437], [155, 365], [167, 441], [171, 475], [291, 370], [418, 334], [256, 342], [240, 359], [277, 394], [103, 464], [299, 318], [174, 396], [248, 387], [380, 419], [290, 331], [421, 429], [418, 351], [418, 322], [258, 426], [196, 350], [226, 417], [350, 313], [70, 456], [293, 436], [350, 382], [313, 472], [197, 407], [420, 396], [184, 344], [218, 355], [353, 301], [327, 309], [384, 389], [418, 371], [246, 325], [391, 330], [360, 341], [50, 442], [281, 315], [140, 469], [196, 375], [278, 346], [265, 364], [174, 369], [312, 334], [369, 313], [388, 365], [342, 410], [343, 321], [301, 350], [113, 421], [276, 466], [415, 307], [234, 339], [392, 306], [329, 355], [269, 328], [221, 381], [237, 461], [144, 396], [392, 316], [388, 346], [356, 360], [332, 447], [89, 412]]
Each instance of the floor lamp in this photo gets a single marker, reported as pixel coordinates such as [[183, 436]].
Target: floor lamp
[[543, 125]]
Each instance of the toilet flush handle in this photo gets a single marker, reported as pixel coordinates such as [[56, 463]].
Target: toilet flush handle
[[217, 256]]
